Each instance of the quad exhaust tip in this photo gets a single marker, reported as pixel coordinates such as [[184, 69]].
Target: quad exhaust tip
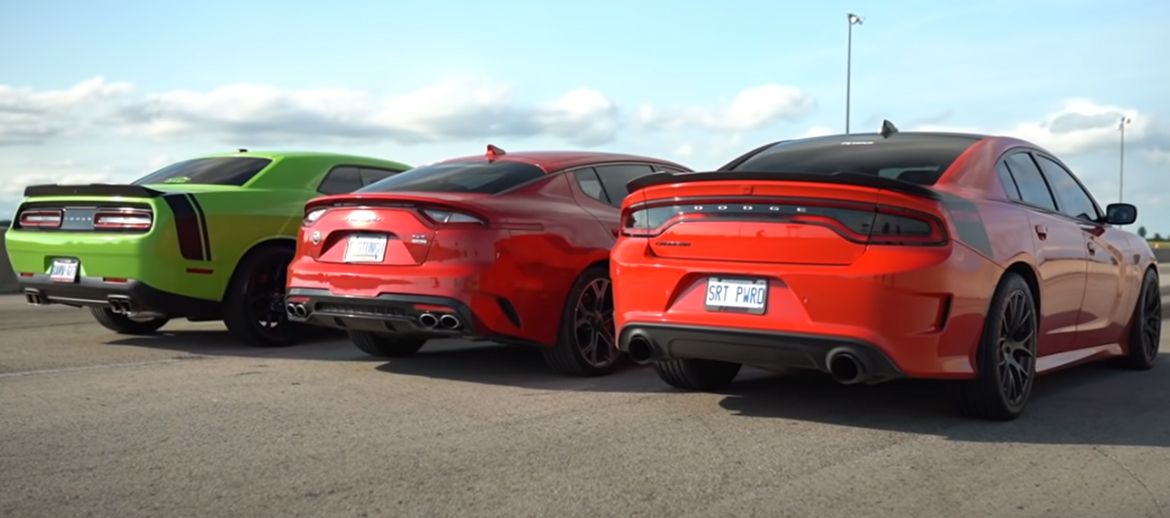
[[449, 321], [297, 309], [428, 320]]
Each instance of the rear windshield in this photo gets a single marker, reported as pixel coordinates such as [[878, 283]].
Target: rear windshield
[[232, 170], [918, 159], [478, 177]]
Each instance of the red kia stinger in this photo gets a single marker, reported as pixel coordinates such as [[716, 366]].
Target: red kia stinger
[[977, 259], [506, 247]]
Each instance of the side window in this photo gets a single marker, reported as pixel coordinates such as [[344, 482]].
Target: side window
[[1074, 201], [1033, 188], [370, 175], [1009, 183], [587, 179], [615, 177], [341, 180]]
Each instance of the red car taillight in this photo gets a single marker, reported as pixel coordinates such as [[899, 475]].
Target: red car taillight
[[40, 218], [122, 219]]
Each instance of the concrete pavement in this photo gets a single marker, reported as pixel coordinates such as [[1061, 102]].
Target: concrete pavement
[[188, 424]]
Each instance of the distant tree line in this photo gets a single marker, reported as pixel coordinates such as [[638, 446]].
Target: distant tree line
[[1142, 232]]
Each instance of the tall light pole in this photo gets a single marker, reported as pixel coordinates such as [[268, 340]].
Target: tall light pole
[[1121, 168], [853, 20]]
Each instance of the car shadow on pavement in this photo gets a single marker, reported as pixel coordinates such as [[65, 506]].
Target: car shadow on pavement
[[515, 366], [316, 344], [1095, 404]]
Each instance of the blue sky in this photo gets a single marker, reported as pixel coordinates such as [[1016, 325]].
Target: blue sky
[[109, 91]]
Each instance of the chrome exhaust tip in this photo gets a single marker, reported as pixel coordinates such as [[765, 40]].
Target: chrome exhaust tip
[[449, 321], [428, 320]]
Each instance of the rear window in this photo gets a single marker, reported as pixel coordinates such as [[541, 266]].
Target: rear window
[[478, 177], [208, 171], [919, 159]]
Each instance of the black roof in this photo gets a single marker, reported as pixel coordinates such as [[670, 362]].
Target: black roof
[[914, 142]]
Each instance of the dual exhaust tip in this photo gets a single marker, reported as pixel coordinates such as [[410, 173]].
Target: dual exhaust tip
[[446, 321], [843, 365], [120, 306]]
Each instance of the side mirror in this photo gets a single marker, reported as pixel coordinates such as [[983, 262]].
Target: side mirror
[[1120, 214]]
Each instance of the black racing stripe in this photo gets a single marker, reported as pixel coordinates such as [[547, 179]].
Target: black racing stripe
[[187, 226], [202, 226], [968, 223]]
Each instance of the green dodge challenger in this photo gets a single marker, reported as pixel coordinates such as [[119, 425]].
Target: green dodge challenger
[[203, 239]]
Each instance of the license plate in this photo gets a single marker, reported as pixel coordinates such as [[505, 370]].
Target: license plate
[[749, 294], [64, 270], [365, 249]]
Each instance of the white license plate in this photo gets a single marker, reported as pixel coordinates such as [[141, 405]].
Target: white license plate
[[365, 249], [64, 270], [749, 294]]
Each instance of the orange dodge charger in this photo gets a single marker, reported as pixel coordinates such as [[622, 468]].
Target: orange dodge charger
[[977, 259]]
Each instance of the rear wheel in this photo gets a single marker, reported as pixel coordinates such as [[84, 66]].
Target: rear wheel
[[586, 345], [697, 374], [254, 306], [123, 324], [1145, 337], [1006, 358], [385, 345]]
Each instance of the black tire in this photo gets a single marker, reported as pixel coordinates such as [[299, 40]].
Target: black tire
[[386, 345], [586, 345], [253, 308], [697, 374], [1145, 336], [1002, 388], [123, 324]]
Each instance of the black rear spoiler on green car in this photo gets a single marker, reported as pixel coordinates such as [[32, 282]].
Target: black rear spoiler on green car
[[93, 189]]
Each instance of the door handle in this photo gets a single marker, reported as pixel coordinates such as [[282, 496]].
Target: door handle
[[1092, 249], [1042, 231]]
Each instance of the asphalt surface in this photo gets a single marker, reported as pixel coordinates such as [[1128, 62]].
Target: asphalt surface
[[187, 424]]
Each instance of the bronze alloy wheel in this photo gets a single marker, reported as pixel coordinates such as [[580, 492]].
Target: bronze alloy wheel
[[1017, 348], [593, 324]]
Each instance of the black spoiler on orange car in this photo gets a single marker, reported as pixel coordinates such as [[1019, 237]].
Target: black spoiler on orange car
[[93, 189], [839, 178]]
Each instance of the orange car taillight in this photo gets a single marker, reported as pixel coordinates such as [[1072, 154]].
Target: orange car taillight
[[40, 218], [122, 219], [859, 223]]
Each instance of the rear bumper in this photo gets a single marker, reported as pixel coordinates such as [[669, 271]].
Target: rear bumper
[[386, 313], [757, 348], [130, 296]]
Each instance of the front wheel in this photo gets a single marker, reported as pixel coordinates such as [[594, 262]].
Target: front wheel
[[385, 345], [1006, 356], [1145, 336], [586, 345], [254, 305], [697, 374], [123, 324]]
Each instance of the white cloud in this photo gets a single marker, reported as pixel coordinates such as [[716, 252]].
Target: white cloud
[[1158, 156], [28, 116], [1082, 126], [818, 131], [753, 108], [455, 109], [63, 172], [685, 150]]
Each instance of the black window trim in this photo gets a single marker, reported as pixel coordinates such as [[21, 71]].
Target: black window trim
[[558, 172], [573, 174], [359, 167], [1067, 169], [1032, 153]]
